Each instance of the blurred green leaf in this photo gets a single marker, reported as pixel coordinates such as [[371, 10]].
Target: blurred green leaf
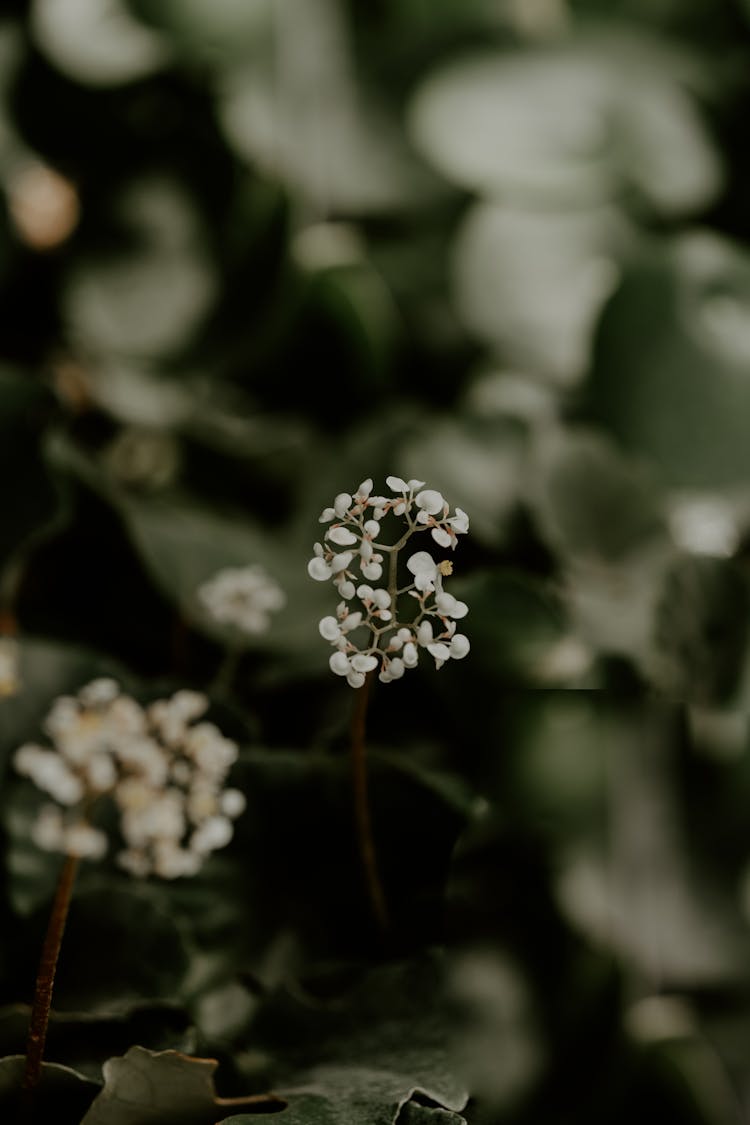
[[25, 408], [184, 544], [96, 41], [145, 301], [669, 377], [63, 1094], [701, 630], [574, 123], [591, 502], [531, 282]]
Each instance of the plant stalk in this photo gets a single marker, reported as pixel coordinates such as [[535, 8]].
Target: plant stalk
[[362, 815], [46, 977]]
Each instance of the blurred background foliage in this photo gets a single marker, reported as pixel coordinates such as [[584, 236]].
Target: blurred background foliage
[[251, 252]]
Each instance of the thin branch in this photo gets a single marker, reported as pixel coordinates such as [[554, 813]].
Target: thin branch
[[363, 818], [46, 977]]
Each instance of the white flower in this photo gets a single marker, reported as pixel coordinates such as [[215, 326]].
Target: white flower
[[425, 571], [430, 501], [357, 524], [339, 535], [244, 597], [163, 772]]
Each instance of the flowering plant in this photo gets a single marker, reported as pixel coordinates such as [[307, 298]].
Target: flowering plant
[[378, 630], [163, 771]]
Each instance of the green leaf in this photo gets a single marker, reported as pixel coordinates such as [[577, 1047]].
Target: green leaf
[[676, 332], [25, 407], [701, 630], [591, 502], [97, 46], [359, 1060], [159, 1088], [146, 300], [184, 544], [414, 1113], [491, 123], [531, 283], [62, 1097], [516, 622], [121, 947]]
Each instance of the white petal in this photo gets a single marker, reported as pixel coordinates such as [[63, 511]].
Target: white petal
[[459, 646], [410, 655], [319, 569], [422, 516], [363, 663], [399, 509], [416, 484], [355, 679], [329, 629], [326, 515], [430, 500], [397, 484], [421, 563], [346, 589], [339, 664], [396, 644], [378, 512], [440, 652], [385, 614], [445, 603], [460, 609], [372, 570], [342, 504], [441, 536], [351, 621], [459, 522], [372, 527], [424, 634], [341, 536], [341, 562], [365, 488], [365, 592], [365, 550], [397, 668], [382, 599]]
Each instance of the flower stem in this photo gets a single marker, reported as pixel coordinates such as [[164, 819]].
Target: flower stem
[[226, 674], [363, 819], [46, 978]]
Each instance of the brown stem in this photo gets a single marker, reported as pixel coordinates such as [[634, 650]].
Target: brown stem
[[363, 819], [46, 977]]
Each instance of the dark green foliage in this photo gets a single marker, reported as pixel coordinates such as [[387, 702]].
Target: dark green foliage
[[501, 247]]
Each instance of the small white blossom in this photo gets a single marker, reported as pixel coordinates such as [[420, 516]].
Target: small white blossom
[[163, 771], [391, 644], [244, 597]]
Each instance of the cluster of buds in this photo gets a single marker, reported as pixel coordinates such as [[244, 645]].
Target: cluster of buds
[[242, 596], [162, 771], [369, 633]]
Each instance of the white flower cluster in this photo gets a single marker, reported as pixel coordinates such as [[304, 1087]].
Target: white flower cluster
[[370, 633], [163, 771], [242, 596]]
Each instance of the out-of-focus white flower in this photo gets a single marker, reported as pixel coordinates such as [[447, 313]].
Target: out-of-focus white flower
[[244, 597], [389, 642], [163, 772]]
